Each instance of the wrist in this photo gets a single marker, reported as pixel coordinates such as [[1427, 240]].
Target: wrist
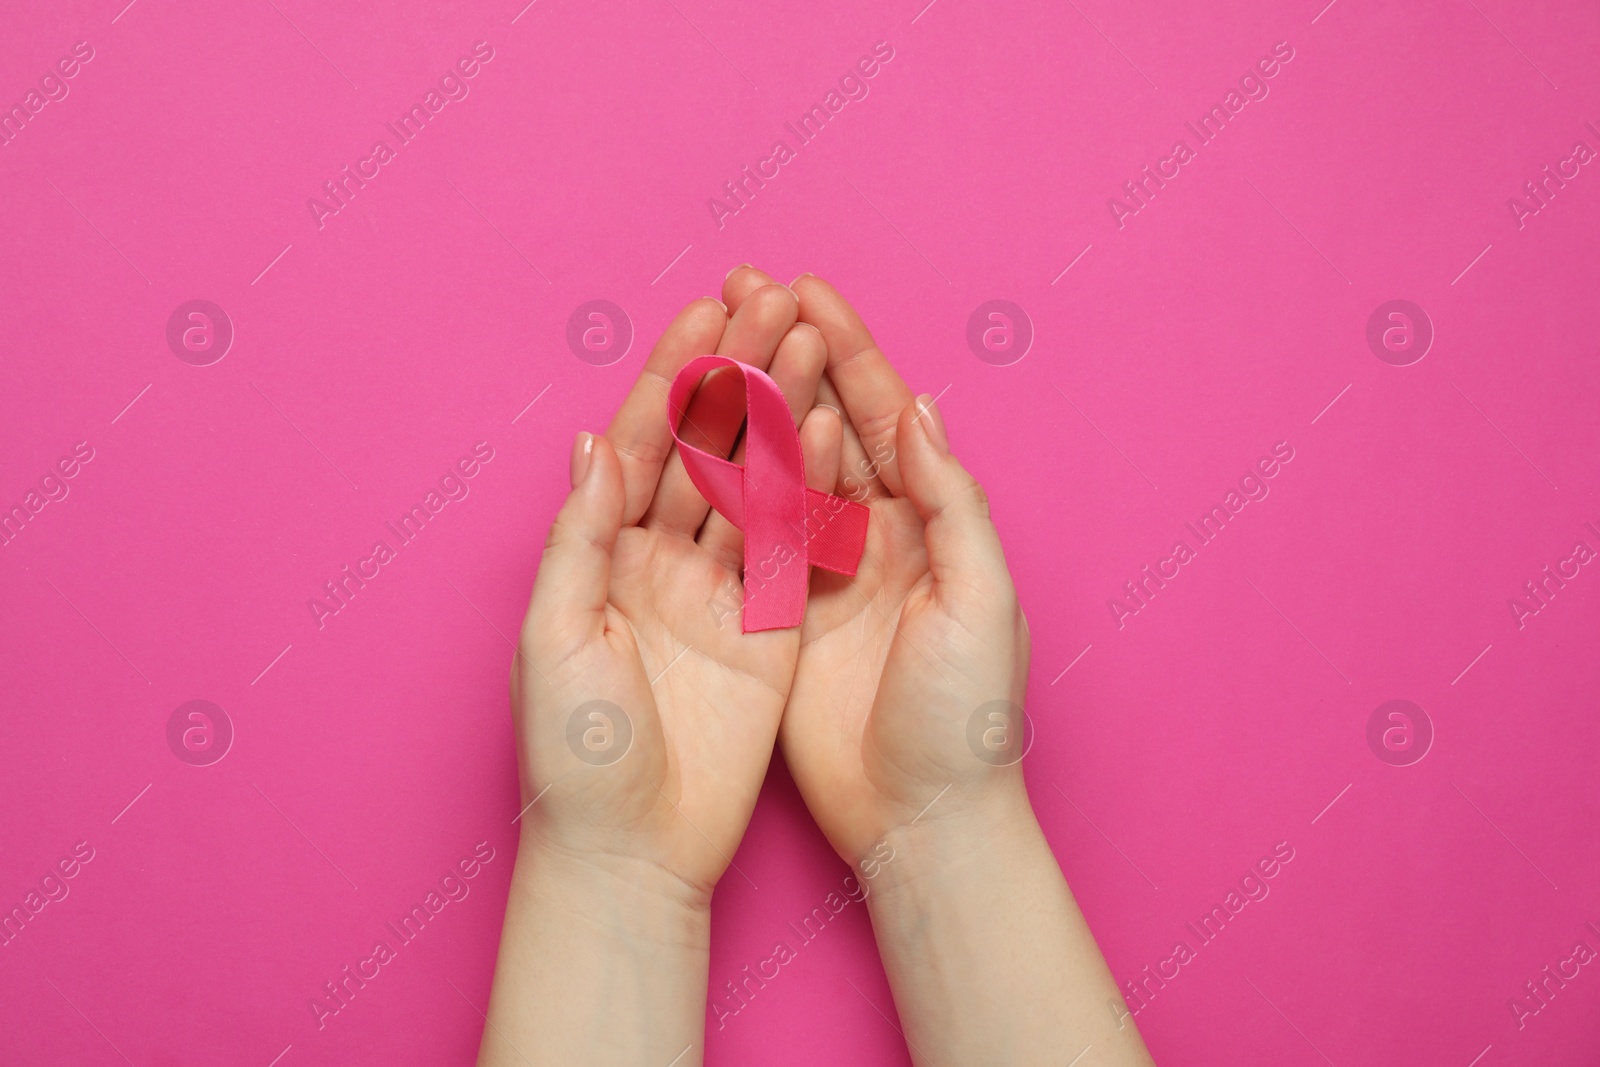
[[616, 894], [953, 853]]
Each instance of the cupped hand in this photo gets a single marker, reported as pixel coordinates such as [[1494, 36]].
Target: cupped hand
[[906, 702], [645, 717]]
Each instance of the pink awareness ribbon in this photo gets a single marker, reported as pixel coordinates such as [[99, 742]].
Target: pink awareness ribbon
[[788, 528]]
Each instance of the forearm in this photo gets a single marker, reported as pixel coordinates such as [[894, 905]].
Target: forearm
[[986, 951], [601, 962]]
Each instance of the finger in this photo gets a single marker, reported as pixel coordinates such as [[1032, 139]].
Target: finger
[[714, 415], [964, 553], [570, 589], [873, 393], [821, 438], [639, 431], [796, 368], [858, 476], [741, 282]]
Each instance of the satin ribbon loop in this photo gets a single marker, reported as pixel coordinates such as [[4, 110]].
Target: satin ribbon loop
[[788, 528]]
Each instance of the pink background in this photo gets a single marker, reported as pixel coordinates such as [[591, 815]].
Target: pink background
[[372, 754]]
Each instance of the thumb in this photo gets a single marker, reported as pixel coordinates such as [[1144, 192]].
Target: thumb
[[570, 591], [963, 546]]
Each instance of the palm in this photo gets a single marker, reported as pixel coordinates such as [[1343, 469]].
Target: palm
[[895, 662], [886, 677], [635, 606], [703, 703]]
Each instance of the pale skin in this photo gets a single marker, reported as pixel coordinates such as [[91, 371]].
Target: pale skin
[[604, 954]]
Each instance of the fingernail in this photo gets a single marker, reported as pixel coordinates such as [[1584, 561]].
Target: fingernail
[[833, 409], [717, 302], [582, 457], [797, 277], [933, 423], [728, 275]]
